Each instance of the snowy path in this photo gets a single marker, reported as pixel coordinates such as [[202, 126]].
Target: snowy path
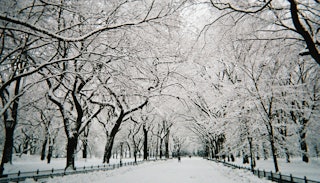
[[194, 170]]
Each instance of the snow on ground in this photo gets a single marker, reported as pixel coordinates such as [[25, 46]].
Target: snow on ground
[[190, 170], [297, 167]]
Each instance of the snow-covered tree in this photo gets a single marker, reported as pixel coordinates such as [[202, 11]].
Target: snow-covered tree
[[281, 20]]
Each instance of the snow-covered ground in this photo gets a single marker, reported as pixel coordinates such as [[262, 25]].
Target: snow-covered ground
[[189, 170], [297, 168], [192, 170]]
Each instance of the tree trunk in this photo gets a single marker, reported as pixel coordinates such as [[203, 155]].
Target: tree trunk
[[303, 142], [71, 151], [166, 143], [160, 148], [300, 29], [284, 141], [50, 150], [108, 150], [212, 154], [157, 148], [316, 149], [265, 151], [145, 143], [287, 155], [85, 142], [8, 146], [207, 151], [110, 140], [304, 147], [129, 150], [274, 152], [135, 155], [43, 150], [85, 148], [9, 130]]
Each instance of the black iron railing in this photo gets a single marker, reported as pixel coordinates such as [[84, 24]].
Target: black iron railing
[[44, 174], [276, 177]]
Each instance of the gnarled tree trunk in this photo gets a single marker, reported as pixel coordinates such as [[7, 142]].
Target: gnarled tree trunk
[[110, 139], [108, 150], [71, 151]]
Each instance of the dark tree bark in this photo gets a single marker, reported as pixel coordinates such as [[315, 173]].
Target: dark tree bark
[[157, 148], [85, 148], [167, 145], [287, 155], [145, 143], [273, 150], [129, 150], [303, 145], [8, 145], [299, 27], [26, 145], [85, 143], [9, 128], [265, 151], [160, 148], [283, 132], [212, 152], [299, 119], [71, 149], [50, 150], [110, 140], [108, 150], [135, 152], [43, 150], [311, 46], [116, 127], [207, 150]]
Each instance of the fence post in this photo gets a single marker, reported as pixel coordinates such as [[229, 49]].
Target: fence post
[[37, 171], [280, 181], [291, 178], [305, 179], [258, 173], [264, 173], [271, 175]]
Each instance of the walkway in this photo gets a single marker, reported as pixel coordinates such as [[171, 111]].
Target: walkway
[[190, 170]]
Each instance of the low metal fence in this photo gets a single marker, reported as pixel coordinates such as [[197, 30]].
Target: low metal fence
[[44, 174], [275, 177]]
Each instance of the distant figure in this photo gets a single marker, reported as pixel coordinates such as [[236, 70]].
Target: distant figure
[[179, 159]]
